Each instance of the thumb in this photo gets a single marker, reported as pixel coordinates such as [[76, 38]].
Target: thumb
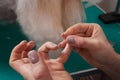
[[80, 42], [33, 57]]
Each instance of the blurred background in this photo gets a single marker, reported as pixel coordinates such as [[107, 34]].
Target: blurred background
[[108, 5]]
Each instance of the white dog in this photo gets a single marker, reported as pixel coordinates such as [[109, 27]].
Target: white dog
[[45, 20]]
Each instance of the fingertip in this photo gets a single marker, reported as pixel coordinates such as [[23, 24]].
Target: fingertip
[[64, 54], [29, 46], [67, 49], [46, 47], [62, 44], [23, 42], [20, 47], [79, 42], [31, 43], [17, 51], [70, 40], [75, 41], [33, 56], [52, 46], [63, 35]]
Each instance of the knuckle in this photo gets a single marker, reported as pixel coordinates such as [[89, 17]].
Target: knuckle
[[95, 25]]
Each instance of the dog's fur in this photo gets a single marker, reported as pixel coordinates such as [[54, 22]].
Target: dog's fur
[[45, 20]]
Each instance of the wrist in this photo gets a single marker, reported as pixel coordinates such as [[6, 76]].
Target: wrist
[[109, 56], [61, 75], [30, 78], [111, 68], [112, 60]]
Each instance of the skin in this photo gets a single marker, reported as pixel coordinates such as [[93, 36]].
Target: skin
[[43, 68], [87, 39], [90, 42]]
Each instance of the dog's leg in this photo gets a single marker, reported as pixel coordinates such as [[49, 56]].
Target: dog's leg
[[43, 20], [72, 12]]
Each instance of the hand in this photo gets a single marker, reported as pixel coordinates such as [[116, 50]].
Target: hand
[[56, 66], [38, 65], [90, 42], [22, 64]]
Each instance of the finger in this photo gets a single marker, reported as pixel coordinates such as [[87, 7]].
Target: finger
[[24, 54], [64, 54], [38, 64], [45, 48], [29, 46], [33, 56], [36, 58], [62, 44], [80, 42], [81, 28], [17, 51]]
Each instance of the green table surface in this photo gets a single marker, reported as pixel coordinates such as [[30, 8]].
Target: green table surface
[[11, 34]]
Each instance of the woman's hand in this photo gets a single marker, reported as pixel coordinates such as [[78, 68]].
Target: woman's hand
[[21, 63], [36, 65], [56, 66], [90, 42]]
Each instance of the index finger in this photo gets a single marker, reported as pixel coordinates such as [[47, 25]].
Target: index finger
[[81, 29], [65, 54], [17, 51], [45, 48]]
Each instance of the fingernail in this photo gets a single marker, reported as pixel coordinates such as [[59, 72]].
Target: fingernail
[[24, 41], [32, 55], [63, 35], [71, 40], [31, 43], [54, 45], [60, 45]]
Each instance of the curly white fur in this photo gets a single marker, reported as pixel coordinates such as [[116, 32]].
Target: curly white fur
[[45, 20]]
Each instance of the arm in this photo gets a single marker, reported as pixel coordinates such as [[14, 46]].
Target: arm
[[112, 68]]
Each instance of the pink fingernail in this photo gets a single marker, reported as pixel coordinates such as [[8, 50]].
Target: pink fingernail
[[63, 35], [71, 40], [59, 45], [32, 55], [54, 45], [24, 41]]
